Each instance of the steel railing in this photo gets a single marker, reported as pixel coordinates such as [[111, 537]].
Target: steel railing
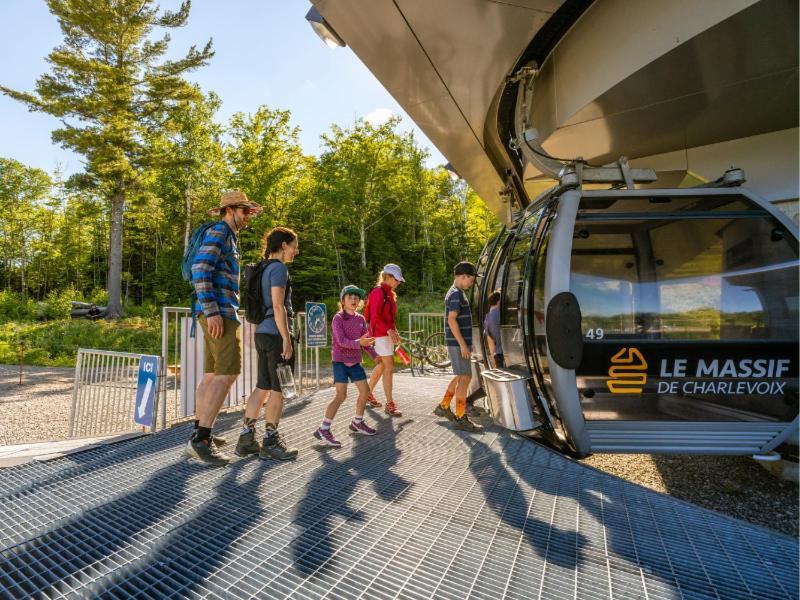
[[421, 327], [104, 393], [183, 360]]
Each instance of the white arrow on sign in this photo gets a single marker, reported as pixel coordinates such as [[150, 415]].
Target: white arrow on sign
[[142, 408]]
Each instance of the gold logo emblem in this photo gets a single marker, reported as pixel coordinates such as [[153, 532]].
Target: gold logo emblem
[[628, 372]]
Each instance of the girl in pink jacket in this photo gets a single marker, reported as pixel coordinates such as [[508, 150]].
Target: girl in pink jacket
[[350, 335]]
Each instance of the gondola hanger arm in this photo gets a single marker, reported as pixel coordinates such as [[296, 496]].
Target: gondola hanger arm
[[569, 172]]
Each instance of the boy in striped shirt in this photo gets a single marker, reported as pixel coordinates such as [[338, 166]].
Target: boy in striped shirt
[[458, 337]]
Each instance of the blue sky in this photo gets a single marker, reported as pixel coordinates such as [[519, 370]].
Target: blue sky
[[266, 53]]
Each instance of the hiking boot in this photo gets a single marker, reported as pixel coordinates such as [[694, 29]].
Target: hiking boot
[[373, 401], [326, 437], [247, 444], [391, 409], [362, 428], [444, 412], [206, 451], [273, 446], [464, 424], [219, 441]]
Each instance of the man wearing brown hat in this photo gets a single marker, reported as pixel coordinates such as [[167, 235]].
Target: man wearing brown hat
[[215, 277]]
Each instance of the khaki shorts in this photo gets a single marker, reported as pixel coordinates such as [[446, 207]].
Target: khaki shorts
[[223, 355]]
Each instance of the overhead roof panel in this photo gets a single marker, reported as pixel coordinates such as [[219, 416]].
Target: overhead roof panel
[[443, 62], [472, 45]]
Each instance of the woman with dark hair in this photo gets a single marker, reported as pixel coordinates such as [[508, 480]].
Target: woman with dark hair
[[274, 345]]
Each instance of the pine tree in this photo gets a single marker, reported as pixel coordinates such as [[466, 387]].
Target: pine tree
[[110, 92]]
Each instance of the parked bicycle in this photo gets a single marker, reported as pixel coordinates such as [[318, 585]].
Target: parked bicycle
[[431, 349]]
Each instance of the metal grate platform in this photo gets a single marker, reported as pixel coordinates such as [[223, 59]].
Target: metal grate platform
[[417, 511]]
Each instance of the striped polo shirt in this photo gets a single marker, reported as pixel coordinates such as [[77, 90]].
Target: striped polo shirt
[[215, 273], [456, 300]]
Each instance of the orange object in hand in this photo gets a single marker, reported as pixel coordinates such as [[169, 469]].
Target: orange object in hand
[[400, 351]]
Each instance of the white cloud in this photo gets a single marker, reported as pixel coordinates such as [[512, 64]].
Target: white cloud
[[379, 116]]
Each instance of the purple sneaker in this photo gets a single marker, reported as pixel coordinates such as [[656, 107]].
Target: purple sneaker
[[362, 428], [326, 437]]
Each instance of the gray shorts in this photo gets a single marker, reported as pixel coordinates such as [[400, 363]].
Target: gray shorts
[[461, 365]]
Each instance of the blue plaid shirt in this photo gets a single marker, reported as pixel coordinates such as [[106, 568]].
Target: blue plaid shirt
[[215, 273]]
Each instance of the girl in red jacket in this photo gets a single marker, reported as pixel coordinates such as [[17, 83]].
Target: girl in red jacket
[[381, 312]]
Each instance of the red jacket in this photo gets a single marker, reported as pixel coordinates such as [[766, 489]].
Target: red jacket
[[382, 311]]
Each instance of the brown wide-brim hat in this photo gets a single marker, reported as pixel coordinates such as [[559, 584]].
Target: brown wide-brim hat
[[235, 199]]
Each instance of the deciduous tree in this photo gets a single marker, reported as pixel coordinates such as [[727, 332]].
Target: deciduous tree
[[110, 87]]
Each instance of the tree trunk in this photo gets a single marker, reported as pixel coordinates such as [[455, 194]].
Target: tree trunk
[[187, 228], [22, 285], [115, 256], [362, 244], [339, 268]]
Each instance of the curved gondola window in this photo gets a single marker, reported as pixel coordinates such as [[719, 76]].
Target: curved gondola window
[[513, 286], [701, 295]]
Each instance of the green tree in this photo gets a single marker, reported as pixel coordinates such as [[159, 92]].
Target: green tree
[[267, 163], [109, 89], [366, 175], [22, 193], [175, 198]]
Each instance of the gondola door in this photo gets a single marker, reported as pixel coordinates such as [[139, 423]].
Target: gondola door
[[514, 273]]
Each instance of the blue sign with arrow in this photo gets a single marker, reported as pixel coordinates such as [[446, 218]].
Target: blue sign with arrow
[[146, 390]]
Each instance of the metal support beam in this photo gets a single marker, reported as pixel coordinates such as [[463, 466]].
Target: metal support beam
[[569, 172]]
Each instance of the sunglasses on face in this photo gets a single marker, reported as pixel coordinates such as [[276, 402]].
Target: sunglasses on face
[[247, 210]]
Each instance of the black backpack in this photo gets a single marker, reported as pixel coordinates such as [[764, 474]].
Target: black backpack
[[255, 311]]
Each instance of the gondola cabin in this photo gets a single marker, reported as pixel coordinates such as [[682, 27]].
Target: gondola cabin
[[645, 320]]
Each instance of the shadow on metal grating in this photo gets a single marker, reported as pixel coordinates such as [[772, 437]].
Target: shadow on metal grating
[[416, 511]]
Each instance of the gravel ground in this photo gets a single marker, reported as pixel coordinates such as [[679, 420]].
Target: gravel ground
[[734, 485], [38, 410]]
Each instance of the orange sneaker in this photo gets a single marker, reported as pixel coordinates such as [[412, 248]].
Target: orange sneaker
[[391, 409], [373, 401]]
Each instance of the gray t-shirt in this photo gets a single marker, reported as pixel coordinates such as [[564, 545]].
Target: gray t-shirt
[[491, 326], [275, 275]]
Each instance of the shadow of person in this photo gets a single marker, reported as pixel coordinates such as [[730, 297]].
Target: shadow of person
[[327, 497], [84, 482], [512, 503], [193, 550], [637, 537], [297, 406], [90, 539]]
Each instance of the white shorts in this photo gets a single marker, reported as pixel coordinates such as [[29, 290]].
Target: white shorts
[[384, 346]]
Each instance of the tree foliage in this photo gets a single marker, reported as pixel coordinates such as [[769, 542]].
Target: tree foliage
[[156, 154], [112, 91]]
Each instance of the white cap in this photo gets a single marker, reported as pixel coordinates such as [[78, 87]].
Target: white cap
[[394, 270]]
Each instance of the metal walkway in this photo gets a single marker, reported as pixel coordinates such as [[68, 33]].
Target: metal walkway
[[417, 511]]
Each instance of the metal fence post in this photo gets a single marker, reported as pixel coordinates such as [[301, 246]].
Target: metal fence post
[[162, 387], [75, 392], [412, 353], [157, 399]]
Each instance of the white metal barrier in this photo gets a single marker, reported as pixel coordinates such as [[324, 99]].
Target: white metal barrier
[[306, 368], [424, 328], [183, 362], [104, 393]]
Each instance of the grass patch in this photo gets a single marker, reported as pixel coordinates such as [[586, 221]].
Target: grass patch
[[56, 343]]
